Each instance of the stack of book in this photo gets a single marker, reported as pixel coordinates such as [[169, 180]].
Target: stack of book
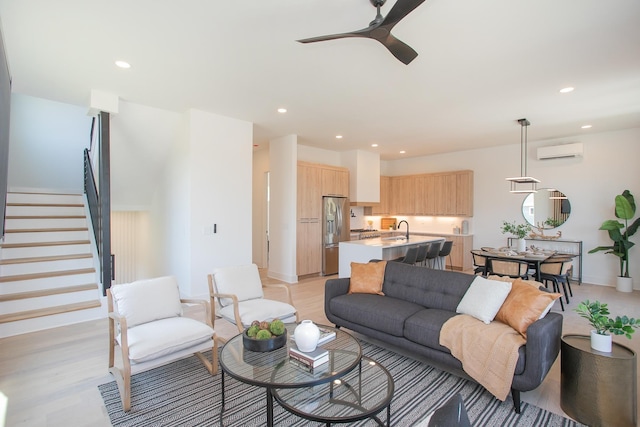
[[311, 361]]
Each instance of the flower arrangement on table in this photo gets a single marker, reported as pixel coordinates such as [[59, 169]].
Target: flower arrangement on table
[[518, 230]]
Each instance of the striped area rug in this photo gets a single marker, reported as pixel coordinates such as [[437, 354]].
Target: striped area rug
[[184, 394]]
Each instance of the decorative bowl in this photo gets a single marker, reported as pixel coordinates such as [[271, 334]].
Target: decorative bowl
[[270, 344]]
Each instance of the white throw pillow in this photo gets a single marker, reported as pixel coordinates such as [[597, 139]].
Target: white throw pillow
[[484, 298], [147, 300], [243, 281]]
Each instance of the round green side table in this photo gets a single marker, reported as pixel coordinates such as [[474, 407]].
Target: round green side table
[[596, 388]]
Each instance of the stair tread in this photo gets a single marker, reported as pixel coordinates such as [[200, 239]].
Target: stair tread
[[48, 292], [44, 258], [54, 205], [43, 275], [36, 244], [30, 314], [45, 230], [45, 217]]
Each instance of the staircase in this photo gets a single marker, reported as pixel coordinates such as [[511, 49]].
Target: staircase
[[47, 268]]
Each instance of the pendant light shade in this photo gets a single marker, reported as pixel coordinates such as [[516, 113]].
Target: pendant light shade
[[523, 183]]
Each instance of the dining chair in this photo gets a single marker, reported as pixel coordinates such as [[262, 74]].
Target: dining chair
[[146, 322], [556, 271], [479, 263], [432, 254], [508, 267], [445, 252], [237, 296]]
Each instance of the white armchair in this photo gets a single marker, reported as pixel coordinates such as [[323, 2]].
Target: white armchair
[[238, 291], [147, 323]]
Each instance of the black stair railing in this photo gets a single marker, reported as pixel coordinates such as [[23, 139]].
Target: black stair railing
[[98, 191]]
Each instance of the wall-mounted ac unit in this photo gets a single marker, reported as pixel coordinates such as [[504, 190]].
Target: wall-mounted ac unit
[[560, 151]]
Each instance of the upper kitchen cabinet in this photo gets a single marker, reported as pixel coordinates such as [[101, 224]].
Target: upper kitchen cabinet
[[444, 194], [335, 181], [384, 207], [309, 192], [464, 193], [403, 195], [424, 194]]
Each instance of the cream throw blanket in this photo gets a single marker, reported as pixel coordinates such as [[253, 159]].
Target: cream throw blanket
[[488, 353]]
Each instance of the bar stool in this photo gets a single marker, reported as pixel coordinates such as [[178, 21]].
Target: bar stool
[[432, 254], [444, 253], [409, 257], [422, 254]]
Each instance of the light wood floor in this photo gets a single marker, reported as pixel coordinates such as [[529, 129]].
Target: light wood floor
[[50, 378]]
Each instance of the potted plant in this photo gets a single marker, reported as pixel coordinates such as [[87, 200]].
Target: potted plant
[[597, 314], [518, 230], [620, 234]]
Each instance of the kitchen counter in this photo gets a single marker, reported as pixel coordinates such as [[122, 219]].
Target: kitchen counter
[[385, 248]]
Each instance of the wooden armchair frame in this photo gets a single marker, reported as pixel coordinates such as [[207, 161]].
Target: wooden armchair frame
[[234, 298], [123, 376]]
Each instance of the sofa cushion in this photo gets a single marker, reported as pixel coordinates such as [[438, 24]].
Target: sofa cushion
[[424, 327], [524, 305], [378, 312], [428, 287], [484, 298], [367, 278]]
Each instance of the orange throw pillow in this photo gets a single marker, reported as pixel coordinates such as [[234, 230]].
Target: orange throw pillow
[[367, 278], [524, 305]]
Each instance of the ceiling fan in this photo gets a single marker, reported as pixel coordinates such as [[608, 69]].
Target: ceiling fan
[[380, 29]]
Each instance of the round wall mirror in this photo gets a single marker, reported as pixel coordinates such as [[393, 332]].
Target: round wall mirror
[[546, 209]]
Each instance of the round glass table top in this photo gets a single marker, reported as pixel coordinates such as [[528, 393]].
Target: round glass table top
[[274, 370]]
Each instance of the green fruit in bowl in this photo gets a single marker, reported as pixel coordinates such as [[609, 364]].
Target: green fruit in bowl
[[252, 331], [263, 334], [277, 327]]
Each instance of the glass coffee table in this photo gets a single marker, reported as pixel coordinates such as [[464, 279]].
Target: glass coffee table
[[272, 370], [359, 394]]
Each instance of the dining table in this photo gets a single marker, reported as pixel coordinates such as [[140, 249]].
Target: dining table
[[534, 258]]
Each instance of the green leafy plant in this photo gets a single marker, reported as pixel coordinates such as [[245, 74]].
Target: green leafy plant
[[619, 232], [519, 230], [597, 314], [553, 223]]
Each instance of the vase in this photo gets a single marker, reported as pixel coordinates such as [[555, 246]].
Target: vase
[[306, 336], [600, 342], [624, 284], [521, 245]]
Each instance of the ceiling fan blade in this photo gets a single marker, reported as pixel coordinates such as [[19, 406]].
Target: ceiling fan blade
[[399, 10], [402, 51], [358, 33]]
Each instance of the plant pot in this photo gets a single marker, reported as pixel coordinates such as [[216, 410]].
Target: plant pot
[[600, 342], [624, 284]]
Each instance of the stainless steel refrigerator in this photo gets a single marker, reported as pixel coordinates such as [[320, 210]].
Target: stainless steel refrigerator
[[335, 229]]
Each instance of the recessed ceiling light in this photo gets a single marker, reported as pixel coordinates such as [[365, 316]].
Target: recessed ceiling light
[[402, 152], [282, 110], [566, 89], [123, 64], [338, 136], [374, 145], [586, 127]]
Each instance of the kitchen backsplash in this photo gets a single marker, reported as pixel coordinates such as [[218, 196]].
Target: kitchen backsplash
[[427, 224]]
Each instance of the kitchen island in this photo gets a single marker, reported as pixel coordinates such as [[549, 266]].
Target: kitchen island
[[385, 248]]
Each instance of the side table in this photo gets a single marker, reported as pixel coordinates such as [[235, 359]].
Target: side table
[[596, 388]]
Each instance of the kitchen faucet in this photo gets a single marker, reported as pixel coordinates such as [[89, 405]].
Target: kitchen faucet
[[407, 227]]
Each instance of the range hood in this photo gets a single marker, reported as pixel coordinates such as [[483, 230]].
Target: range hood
[[364, 177]]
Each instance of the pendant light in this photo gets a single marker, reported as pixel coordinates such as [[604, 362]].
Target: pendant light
[[523, 183]]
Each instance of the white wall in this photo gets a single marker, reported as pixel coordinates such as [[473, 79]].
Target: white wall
[[259, 219], [283, 170], [608, 167], [318, 155], [207, 182], [47, 143]]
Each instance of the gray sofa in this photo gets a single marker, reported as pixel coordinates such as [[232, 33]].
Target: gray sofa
[[417, 301]]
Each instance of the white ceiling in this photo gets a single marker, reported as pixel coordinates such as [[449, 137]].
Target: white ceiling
[[481, 66]]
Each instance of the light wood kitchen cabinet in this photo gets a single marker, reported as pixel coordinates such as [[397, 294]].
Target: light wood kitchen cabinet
[[461, 253], [385, 197], [464, 193], [444, 194], [424, 196], [309, 204], [335, 182], [403, 195], [308, 247]]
